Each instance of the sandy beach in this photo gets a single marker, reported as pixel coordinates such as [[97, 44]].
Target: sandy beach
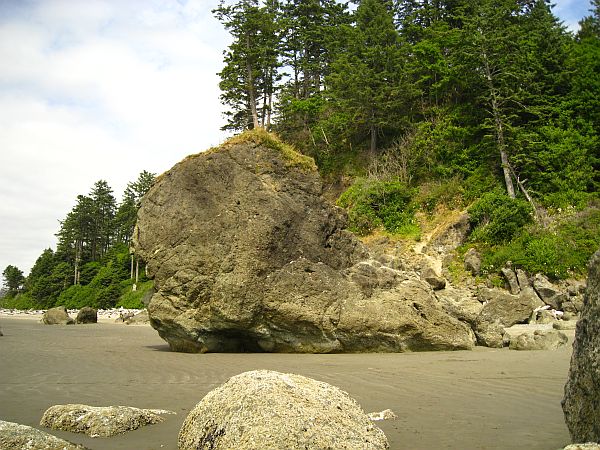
[[481, 399]]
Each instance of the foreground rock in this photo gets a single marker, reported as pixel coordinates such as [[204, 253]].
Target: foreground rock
[[586, 446], [17, 437], [271, 410], [99, 421], [57, 316], [248, 256], [539, 340], [581, 403], [87, 315]]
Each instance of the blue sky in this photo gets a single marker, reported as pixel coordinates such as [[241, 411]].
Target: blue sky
[[103, 89]]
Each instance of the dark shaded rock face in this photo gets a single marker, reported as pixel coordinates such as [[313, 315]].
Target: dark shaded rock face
[[247, 255], [581, 403], [87, 315]]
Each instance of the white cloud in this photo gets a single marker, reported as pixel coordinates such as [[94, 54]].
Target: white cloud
[[97, 90]]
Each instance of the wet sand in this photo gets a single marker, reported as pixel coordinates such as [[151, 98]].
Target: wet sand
[[481, 399]]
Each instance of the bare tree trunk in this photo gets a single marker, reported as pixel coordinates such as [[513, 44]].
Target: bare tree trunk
[[251, 94], [499, 127]]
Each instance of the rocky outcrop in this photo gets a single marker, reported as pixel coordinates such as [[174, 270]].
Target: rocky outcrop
[[98, 421], [247, 255], [57, 316], [539, 340], [271, 411], [87, 315], [473, 261], [581, 403], [549, 293], [511, 280], [18, 437], [502, 310]]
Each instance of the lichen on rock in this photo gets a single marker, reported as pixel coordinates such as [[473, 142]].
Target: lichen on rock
[[96, 421], [269, 410]]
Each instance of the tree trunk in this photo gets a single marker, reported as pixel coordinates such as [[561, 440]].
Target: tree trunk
[[498, 127], [251, 94]]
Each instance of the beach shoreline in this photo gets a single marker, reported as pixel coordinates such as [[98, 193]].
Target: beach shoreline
[[479, 399]]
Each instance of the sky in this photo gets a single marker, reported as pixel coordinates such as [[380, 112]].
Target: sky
[[103, 89]]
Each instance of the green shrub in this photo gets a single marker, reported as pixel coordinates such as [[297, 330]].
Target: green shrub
[[20, 301], [133, 299], [373, 204], [496, 218], [560, 252]]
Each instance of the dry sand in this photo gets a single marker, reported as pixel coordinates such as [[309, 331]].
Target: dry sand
[[481, 399]]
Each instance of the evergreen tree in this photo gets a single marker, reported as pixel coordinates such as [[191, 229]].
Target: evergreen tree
[[367, 82], [126, 214], [249, 78], [13, 279]]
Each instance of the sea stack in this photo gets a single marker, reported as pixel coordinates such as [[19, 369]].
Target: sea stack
[[247, 255]]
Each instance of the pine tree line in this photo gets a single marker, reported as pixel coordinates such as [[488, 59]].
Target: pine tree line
[[92, 263], [454, 88]]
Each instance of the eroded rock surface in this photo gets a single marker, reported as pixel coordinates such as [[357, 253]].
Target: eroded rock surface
[[271, 410], [57, 316], [87, 314], [581, 403], [14, 436], [539, 340], [247, 255], [96, 421]]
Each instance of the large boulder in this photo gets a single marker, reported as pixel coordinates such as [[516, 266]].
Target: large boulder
[[549, 293], [87, 314], [57, 316], [14, 436], [247, 255], [98, 421], [581, 403], [502, 310], [269, 410]]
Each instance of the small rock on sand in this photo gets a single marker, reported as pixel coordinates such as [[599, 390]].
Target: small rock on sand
[[539, 340], [17, 437], [57, 316], [99, 421]]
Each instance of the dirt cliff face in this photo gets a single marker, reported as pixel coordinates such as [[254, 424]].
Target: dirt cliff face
[[247, 255], [581, 403]]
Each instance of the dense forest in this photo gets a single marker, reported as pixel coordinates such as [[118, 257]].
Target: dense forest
[[413, 106], [92, 264], [409, 108]]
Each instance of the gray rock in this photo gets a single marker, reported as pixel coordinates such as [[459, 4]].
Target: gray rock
[[247, 255], [435, 281], [57, 316], [575, 287], [522, 279], [460, 303], [140, 318], [539, 340], [87, 315], [564, 325], [271, 411], [502, 310], [511, 280], [18, 437], [569, 307], [98, 421], [545, 316], [473, 261], [581, 403], [549, 293]]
